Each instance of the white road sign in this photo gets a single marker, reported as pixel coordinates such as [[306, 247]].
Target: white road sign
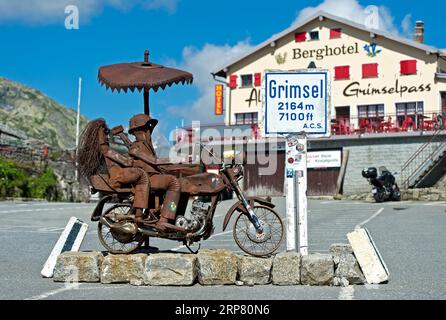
[[296, 102], [324, 159]]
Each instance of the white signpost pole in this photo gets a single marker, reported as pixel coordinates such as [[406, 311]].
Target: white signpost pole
[[296, 104], [302, 200], [296, 199], [291, 203]]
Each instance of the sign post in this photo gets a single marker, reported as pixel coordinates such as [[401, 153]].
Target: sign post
[[296, 105]]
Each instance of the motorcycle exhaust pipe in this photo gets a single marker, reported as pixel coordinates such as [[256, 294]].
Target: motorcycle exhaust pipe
[[149, 233], [106, 223]]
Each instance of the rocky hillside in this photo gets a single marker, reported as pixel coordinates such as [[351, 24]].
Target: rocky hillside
[[37, 116]]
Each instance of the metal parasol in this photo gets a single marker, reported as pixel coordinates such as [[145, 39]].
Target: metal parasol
[[141, 76]]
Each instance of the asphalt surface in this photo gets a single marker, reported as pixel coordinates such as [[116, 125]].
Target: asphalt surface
[[409, 235]]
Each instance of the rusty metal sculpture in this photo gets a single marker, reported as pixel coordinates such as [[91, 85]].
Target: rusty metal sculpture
[[141, 76], [149, 201]]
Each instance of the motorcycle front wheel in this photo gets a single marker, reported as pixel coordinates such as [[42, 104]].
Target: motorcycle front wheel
[[114, 241], [379, 197], [259, 244], [396, 195]]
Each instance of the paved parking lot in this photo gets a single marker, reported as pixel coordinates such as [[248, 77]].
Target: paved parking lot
[[409, 235]]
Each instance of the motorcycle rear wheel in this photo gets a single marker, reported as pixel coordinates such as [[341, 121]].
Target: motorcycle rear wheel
[[259, 245], [113, 242]]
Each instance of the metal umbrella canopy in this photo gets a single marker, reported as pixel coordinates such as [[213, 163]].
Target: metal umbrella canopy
[[141, 76]]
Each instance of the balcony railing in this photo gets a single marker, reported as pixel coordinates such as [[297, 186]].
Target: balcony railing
[[388, 123]]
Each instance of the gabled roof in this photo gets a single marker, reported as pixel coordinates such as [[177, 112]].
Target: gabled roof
[[408, 42]]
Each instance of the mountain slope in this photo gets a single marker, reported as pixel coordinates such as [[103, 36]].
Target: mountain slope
[[36, 115]]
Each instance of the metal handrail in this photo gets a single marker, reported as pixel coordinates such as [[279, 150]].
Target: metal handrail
[[420, 149], [429, 158], [422, 153]]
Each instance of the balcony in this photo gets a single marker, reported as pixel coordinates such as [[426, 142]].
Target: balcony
[[390, 123]]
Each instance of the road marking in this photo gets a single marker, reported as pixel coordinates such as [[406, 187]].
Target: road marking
[[50, 293], [347, 293], [377, 213], [38, 210], [435, 203], [69, 287]]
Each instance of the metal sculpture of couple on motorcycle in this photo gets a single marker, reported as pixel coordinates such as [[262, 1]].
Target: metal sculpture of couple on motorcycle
[[149, 196]]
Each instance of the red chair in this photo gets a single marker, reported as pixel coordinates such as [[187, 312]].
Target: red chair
[[344, 126], [394, 127], [431, 125], [408, 123], [335, 128], [367, 126]]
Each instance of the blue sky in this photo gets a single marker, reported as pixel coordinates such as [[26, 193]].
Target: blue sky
[[196, 35]]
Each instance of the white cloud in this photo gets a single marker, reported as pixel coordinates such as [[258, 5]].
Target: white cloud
[[406, 26], [201, 62], [51, 11], [353, 10]]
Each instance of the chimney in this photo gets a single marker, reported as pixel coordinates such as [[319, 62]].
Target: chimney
[[418, 34]]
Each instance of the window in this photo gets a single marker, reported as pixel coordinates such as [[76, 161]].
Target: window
[[342, 73], [371, 111], [408, 67], [246, 118], [257, 79], [300, 37], [335, 33], [246, 80], [410, 114], [370, 70], [370, 115], [233, 82], [314, 35]]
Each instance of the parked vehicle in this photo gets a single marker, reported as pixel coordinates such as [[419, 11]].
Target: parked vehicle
[[385, 187], [258, 229]]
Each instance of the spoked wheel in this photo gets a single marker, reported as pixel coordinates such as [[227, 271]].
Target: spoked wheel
[[259, 244], [115, 240]]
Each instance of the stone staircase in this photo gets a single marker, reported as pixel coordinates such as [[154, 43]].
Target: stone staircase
[[427, 165]]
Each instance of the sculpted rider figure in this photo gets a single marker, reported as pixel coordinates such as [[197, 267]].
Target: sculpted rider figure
[[95, 151], [141, 126]]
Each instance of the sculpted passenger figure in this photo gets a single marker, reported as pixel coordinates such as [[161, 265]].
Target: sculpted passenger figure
[[95, 152], [141, 126]]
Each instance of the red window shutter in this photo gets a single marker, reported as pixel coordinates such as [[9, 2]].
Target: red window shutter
[[300, 37], [342, 73], [408, 67], [335, 33], [257, 79], [233, 82], [369, 70]]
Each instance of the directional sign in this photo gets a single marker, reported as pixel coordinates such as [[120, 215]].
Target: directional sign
[[296, 102]]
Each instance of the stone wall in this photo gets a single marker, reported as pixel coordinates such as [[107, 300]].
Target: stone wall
[[425, 194], [212, 267], [389, 151]]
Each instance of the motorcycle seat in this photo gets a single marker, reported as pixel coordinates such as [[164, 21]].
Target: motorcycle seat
[[203, 183], [100, 182]]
